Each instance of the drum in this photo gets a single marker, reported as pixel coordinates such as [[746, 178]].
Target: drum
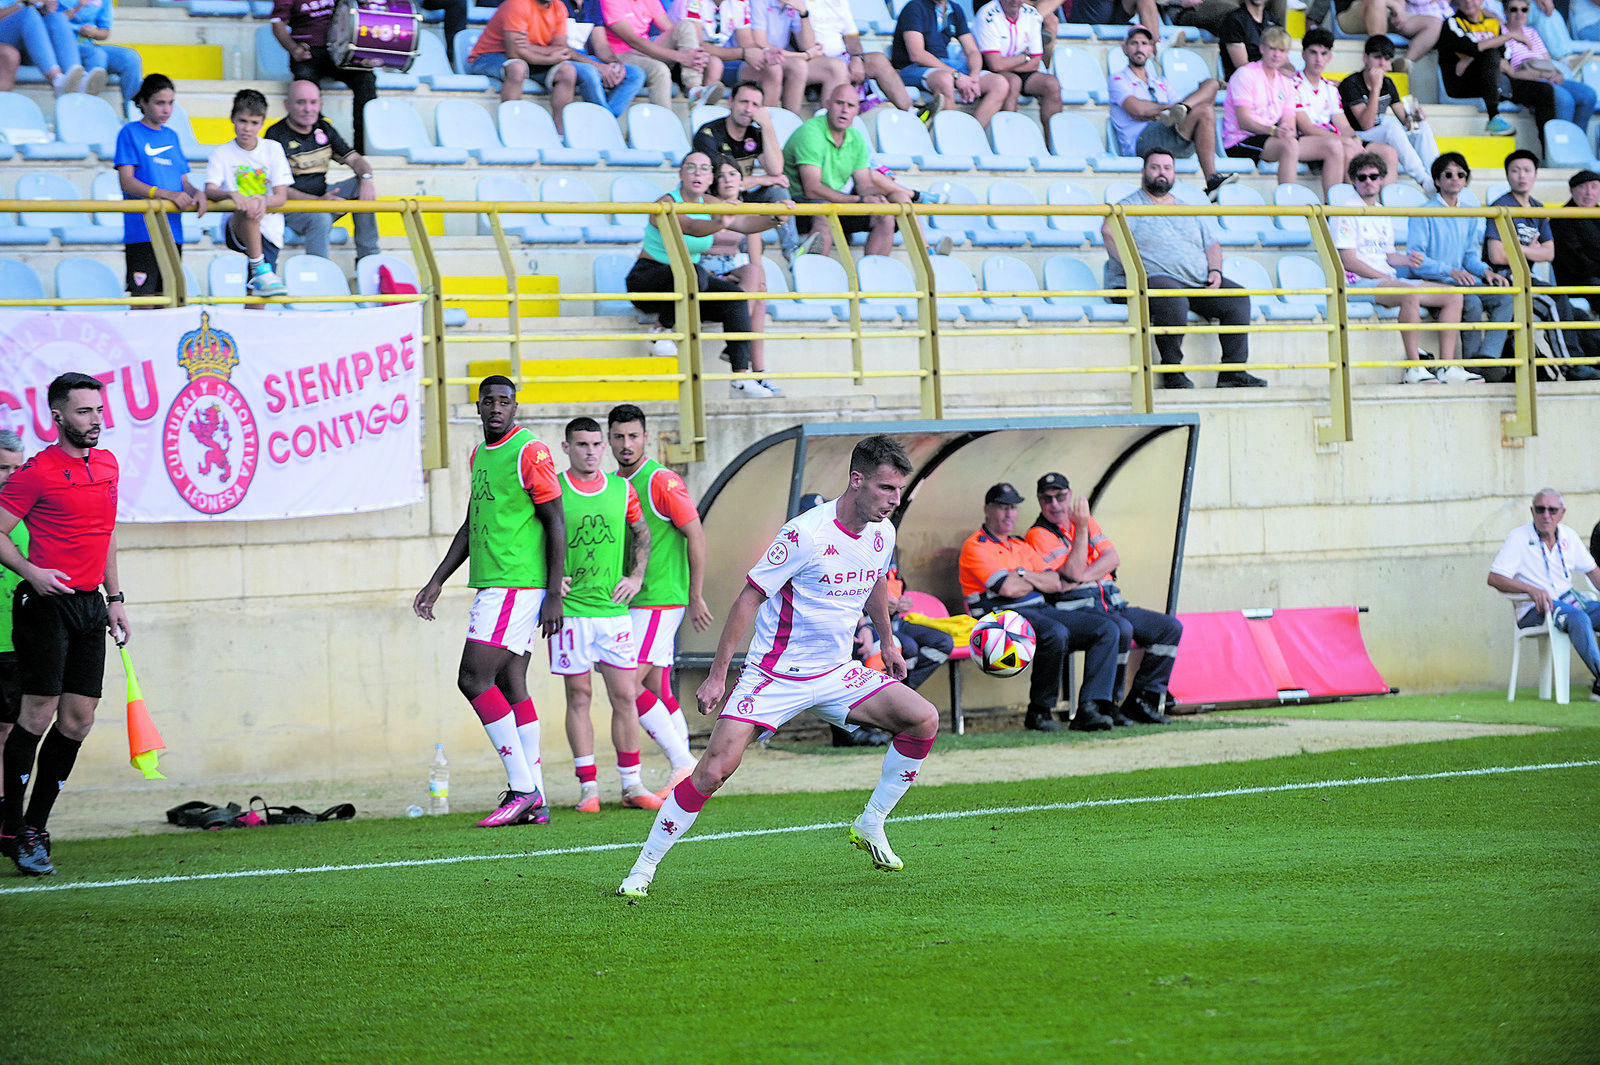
[[366, 34]]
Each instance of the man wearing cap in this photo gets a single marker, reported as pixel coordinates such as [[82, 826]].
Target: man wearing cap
[[1000, 571], [1144, 115], [1070, 541], [1577, 260]]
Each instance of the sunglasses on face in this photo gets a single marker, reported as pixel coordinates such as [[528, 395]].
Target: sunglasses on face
[[1548, 510], [1516, 10], [1369, 177]]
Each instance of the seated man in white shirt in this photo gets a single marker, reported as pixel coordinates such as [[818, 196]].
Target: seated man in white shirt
[[834, 32], [1538, 561], [1010, 36]]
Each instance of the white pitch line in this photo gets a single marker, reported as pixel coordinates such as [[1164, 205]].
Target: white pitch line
[[945, 815]]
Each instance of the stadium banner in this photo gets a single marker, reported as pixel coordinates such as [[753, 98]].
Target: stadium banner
[[233, 414]]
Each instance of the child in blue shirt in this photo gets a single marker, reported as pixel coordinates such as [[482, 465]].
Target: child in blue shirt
[[150, 165]]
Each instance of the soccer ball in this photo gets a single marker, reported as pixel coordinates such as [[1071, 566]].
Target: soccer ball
[[1003, 643]]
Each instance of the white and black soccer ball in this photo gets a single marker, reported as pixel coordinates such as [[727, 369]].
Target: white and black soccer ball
[[1003, 643]]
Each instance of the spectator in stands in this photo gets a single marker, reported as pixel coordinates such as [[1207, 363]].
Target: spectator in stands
[[1239, 36], [252, 172], [1071, 542], [1208, 15], [1538, 560], [828, 155], [1144, 115], [676, 51], [40, 30], [1551, 22], [1181, 252], [1001, 571], [1366, 249], [725, 30], [1542, 83], [784, 27], [741, 137], [310, 143], [150, 166], [528, 39], [1318, 112], [301, 26], [1470, 51], [834, 31], [653, 271], [1259, 123], [1375, 110], [10, 60], [1010, 39], [1537, 238], [1577, 240], [1420, 21], [923, 54], [91, 19], [736, 257], [1100, 13], [1452, 254]]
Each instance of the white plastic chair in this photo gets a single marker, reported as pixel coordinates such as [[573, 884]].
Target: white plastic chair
[[1555, 656]]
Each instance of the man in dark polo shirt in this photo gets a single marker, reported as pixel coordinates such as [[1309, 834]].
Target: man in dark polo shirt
[[301, 26], [310, 143], [742, 138], [67, 494]]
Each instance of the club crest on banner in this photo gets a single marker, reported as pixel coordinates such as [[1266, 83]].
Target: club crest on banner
[[210, 442]]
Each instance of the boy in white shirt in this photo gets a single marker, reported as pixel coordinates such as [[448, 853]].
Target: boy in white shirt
[[254, 172]]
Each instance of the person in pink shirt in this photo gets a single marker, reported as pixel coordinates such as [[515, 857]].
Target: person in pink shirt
[[677, 50], [1258, 122]]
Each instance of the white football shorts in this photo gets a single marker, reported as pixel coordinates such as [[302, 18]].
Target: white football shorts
[[655, 633], [770, 702], [584, 642], [506, 617]]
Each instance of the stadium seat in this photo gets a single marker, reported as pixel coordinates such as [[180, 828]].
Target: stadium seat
[[69, 227], [1555, 656], [904, 136], [1067, 273], [1190, 165], [395, 128], [531, 227], [1066, 194], [86, 119], [13, 233], [1117, 191], [271, 61], [784, 123], [975, 228], [788, 310], [1404, 195], [525, 124], [433, 68], [872, 16], [1017, 134], [402, 271], [1248, 273], [880, 273], [1074, 128], [635, 188], [312, 275], [952, 275], [193, 150], [1506, 106], [1340, 194], [191, 283], [82, 278], [1251, 229], [1082, 77], [1566, 147], [1295, 195], [23, 125], [1297, 271], [107, 186], [652, 128], [957, 133], [19, 282], [611, 275], [1005, 273], [823, 273], [596, 229], [1036, 227], [592, 126], [466, 125], [226, 274], [700, 114]]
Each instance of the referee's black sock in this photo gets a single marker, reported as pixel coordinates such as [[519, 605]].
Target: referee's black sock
[[56, 757], [16, 764]]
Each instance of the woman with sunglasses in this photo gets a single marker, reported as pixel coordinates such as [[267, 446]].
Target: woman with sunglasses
[[1528, 60]]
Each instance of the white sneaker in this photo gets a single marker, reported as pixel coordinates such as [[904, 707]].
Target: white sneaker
[[68, 80], [635, 886], [876, 844], [706, 95], [266, 283], [666, 349], [1457, 375], [748, 389], [1418, 375], [770, 387], [95, 83]]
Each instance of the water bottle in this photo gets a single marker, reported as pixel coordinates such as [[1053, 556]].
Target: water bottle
[[438, 782], [236, 64]]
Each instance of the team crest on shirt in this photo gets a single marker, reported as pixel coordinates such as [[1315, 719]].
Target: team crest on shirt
[[209, 442], [778, 553], [747, 705], [877, 541]]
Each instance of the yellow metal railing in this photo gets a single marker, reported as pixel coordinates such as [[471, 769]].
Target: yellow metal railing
[[935, 364]]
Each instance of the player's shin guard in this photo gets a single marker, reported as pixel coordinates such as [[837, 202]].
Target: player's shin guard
[[900, 766], [672, 821], [657, 723], [57, 755], [501, 725], [528, 729], [17, 765]]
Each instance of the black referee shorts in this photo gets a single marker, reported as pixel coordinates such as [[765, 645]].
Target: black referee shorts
[[60, 641], [10, 689]]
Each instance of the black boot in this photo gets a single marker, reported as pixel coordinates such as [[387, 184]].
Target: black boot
[[1090, 719], [1144, 708], [1118, 719], [1040, 721]]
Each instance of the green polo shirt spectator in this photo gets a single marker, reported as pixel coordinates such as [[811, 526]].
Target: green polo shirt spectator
[[812, 145]]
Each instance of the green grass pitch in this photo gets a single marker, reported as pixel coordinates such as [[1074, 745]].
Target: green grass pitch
[[1449, 919]]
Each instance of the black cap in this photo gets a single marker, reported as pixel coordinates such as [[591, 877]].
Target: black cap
[[1582, 177], [809, 500], [1002, 493], [1052, 482]]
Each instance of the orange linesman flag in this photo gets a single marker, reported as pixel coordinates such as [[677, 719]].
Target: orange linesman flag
[[143, 739]]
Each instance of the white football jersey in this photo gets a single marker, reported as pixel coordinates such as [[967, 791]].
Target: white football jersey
[[816, 577]]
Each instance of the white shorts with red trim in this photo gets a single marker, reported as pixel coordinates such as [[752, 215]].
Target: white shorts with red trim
[[770, 702], [655, 633], [584, 643], [506, 617]]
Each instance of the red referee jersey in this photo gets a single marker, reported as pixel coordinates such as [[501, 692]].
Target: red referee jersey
[[70, 506]]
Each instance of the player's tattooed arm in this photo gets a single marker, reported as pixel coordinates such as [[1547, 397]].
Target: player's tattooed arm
[[628, 586]]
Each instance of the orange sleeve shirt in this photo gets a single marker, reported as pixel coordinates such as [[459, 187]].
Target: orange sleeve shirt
[[635, 512], [985, 561], [1054, 551], [670, 497], [539, 473], [542, 24]]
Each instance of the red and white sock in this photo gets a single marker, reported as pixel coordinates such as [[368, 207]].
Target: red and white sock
[[680, 720], [628, 769], [900, 766], [583, 768], [501, 725], [672, 822], [528, 730], [657, 724]]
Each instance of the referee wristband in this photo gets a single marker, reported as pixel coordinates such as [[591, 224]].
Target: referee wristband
[[118, 598]]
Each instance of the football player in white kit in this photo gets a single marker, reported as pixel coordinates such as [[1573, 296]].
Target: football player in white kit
[[804, 596]]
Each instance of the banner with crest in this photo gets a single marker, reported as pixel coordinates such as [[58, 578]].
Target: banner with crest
[[233, 414]]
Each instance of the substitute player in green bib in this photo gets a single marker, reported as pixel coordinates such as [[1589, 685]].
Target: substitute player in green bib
[[10, 681], [514, 539], [672, 585], [602, 514]]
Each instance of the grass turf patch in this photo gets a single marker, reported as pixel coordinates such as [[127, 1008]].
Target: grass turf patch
[[1478, 707]]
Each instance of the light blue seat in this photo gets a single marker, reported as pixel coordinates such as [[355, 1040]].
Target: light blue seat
[[1403, 195], [19, 282], [635, 188], [312, 275], [784, 123], [1005, 273], [271, 61], [1068, 273], [700, 114], [1018, 135], [1257, 227], [1191, 165], [952, 275], [1082, 77], [824, 273], [79, 278], [658, 129], [1506, 106], [1036, 228], [531, 227], [1247, 273], [395, 128], [880, 273], [23, 125], [1074, 128], [69, 227], [466, 125], [1295, 195], [976, 228], [593, 127], [1085, 227], [903, 135], [226, 274], [524, 124], [957, 133], [596, 229], [789, 310], [872, 16], [433, 68], [402, 271], [12, 233], [219, 8], [610, 272], [1183, 70], [1297, 271], [86, 119], [193, 150], [1117, 191], [1566, 147]]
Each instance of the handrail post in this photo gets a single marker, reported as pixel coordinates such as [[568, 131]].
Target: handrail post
[[928, 356], [435, 402], [166, 252], [1339, 429], [1525, 422], [513, 292], [841, 252], [691, 391], [1134, 279]]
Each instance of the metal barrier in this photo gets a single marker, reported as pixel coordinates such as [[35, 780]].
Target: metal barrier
[[933, 366]]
